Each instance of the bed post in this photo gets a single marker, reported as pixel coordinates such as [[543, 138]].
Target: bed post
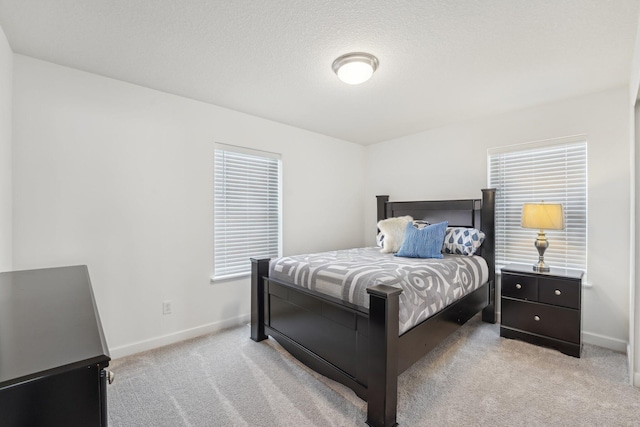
[[382, 386], [382, 208], [259, 269], [487, 225]]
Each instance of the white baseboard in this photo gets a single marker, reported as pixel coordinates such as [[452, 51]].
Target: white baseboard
[[630, 365], [635, 376], [137, 347], [614, 344]]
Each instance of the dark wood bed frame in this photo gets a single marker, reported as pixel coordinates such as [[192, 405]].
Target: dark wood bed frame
[[361, 348]]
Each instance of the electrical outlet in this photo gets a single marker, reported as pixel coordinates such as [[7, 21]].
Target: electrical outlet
[[166, 307]]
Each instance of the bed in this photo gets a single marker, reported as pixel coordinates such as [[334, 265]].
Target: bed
[[363, 347]]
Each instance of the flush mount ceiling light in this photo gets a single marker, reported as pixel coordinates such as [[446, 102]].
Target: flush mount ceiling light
[[355, 68]]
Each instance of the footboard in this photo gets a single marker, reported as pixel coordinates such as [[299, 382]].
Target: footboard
[[341, 341], [353, 346], [329, 337]]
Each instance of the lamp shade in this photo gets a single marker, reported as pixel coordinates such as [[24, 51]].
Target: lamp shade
[[543, 216]]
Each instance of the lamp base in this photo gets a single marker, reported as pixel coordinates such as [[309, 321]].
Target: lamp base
[[541, 268], [541, 245]]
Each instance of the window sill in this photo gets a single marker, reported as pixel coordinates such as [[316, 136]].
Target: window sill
[[229, 277]]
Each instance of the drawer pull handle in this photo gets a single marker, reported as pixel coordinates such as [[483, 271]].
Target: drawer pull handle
[[110, 377], [518, 286], [536, 318], [558, 292]]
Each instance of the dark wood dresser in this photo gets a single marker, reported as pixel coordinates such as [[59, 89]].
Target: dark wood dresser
[[542, 308], [52, 350]]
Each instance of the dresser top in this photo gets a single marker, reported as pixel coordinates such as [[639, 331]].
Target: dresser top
[[555, 272], [48, 323]]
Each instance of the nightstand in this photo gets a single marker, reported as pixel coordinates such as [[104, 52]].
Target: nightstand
[[542, 308]]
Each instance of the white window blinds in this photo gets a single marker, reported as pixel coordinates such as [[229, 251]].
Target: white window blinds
[[554, 173], [246, 210]]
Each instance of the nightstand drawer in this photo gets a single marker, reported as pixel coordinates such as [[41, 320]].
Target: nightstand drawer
[[559, 292], [555, 322], [522, 287]]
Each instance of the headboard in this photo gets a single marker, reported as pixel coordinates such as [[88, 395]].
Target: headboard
[[476, 213]]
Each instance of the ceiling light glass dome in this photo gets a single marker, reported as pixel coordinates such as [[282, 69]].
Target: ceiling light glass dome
[[355, 68]]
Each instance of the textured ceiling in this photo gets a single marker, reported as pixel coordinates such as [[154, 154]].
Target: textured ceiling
[[441, 61]]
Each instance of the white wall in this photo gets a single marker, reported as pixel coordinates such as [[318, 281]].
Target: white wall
[[450, 162], [634, 286], [120, 177], [6, 205]]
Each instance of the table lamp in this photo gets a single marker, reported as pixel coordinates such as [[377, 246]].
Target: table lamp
[[542, 216]]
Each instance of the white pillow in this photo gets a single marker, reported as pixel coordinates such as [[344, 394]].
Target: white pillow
[[393, 231]]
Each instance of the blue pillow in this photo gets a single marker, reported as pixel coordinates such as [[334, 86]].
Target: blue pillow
[[423, 243]]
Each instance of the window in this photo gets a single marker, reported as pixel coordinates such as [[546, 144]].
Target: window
[[553, 172], [246, 209]]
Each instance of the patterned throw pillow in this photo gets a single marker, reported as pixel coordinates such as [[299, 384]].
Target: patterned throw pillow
[[462, 241], [392, 230]]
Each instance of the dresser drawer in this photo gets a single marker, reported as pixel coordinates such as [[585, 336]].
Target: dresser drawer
[[565, 293], [554, 322], [522, 287]]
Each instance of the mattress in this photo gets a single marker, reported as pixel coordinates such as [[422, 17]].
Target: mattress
[[428, 285]]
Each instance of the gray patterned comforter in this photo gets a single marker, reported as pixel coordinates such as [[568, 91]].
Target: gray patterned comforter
[[429, 285]]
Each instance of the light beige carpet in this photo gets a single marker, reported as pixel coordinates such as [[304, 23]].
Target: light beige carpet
[[474, 378]]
